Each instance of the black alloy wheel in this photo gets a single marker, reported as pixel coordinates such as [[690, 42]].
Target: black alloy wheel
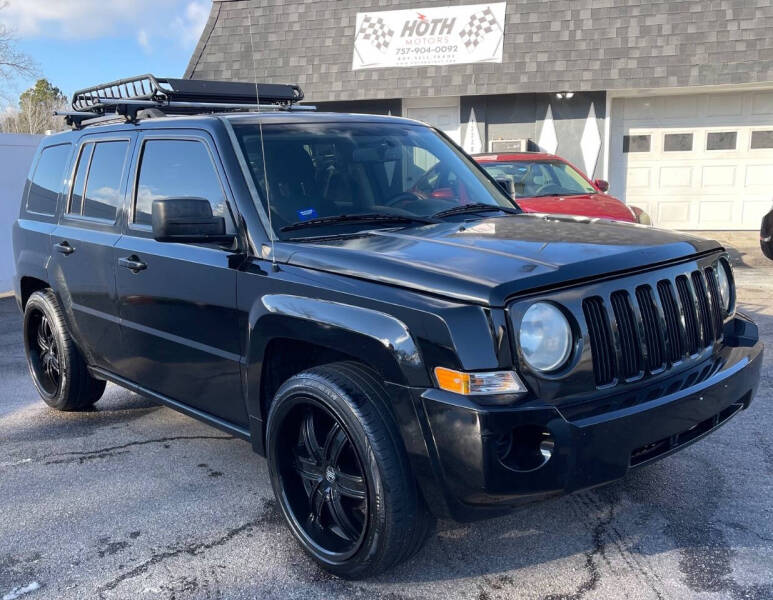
[[44, 353], [58, 369], [340, 472], [323, 479]]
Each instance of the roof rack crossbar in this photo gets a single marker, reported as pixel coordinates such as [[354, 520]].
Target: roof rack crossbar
[[163, 89], [126, 97]]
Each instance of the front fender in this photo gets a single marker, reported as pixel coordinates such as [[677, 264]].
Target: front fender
[[380, 340]]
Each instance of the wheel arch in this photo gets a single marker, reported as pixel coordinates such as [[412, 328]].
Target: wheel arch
[[289, 334], [28, 286]]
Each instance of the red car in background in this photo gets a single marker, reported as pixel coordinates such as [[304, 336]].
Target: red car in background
[[546, 183]]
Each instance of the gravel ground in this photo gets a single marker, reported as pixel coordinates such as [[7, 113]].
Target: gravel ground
[[136, 501]]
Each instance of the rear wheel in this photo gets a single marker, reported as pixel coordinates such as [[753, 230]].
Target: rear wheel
[[340, 473], [55, 363]]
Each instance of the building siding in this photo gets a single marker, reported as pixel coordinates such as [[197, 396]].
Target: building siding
[[550, 45]]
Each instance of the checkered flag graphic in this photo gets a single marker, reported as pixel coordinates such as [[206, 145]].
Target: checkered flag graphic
[[377, 32], [478, 27]]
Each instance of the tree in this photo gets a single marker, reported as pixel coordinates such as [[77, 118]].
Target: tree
[[36, 110], [13, 63]]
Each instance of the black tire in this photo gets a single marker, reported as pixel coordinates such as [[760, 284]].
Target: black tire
[[56, 365], [353, 503]]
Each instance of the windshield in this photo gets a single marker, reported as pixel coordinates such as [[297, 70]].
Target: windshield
[[317, 171], [540, 178]]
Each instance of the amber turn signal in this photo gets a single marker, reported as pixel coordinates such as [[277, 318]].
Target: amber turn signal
[[490, 382]]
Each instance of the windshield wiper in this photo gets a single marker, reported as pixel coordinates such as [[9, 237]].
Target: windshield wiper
[[475, 207], [364, 217]]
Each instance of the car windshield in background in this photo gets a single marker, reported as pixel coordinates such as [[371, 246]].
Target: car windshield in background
[[338, 178], [532, 179]]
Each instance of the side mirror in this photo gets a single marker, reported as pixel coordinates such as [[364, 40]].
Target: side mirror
[[187, 220], [602, 185], [507, 185]]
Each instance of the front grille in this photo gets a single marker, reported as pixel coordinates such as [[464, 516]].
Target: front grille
[[648, 330], [600, 340]]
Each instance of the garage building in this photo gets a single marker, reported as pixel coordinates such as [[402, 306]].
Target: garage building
[[671, 101]]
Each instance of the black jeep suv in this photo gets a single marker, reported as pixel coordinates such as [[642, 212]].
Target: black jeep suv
[[358, 298]]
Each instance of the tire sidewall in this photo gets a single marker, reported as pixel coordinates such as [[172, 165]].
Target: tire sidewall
[[341, 405], [41, 303]]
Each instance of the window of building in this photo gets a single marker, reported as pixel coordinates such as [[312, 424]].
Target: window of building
[[102, 196], [636, 143], [48, 179], [677, 142], [762, 139], [721, 140], [176, 169], [76, 195]]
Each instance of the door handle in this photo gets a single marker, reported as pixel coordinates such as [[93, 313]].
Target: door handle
[[132, 263], [64, 248]]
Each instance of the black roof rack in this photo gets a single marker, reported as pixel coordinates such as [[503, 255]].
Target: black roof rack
[[128, 97]]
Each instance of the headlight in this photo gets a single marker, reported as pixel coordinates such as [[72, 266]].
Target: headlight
[[725, 288], [545, 337]]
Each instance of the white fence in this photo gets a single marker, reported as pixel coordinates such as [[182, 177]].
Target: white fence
[[16, 152]]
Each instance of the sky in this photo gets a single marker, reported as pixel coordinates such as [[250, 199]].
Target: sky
[[79, 43]]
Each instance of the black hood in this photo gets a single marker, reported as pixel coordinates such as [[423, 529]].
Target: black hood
[[489, 260]]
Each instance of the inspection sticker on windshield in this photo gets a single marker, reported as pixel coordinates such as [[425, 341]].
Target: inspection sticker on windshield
[[306, 213]]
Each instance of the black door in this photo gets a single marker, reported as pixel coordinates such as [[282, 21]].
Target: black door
[[178, 301], [82, 269]]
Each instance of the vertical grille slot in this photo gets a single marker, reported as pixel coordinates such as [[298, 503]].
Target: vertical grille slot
[[716, 301], [653, 334], [692, 330], [600, 335], [703, 308], [675, 347], [630, 349]]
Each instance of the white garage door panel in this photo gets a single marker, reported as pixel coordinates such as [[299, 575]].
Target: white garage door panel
[[675, 177], [759, 175], [718, 176], [688, 179], [670, 213], [716, 213], [639, 177]]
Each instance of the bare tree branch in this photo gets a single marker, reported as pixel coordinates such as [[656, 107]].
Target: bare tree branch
[[13, 63]]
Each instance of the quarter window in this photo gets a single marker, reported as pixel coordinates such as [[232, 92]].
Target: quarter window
[[48, 179], [102, 196], [76, 199], [177, 169], [721, 140], [762, 139], [636, 143], [677, 142]]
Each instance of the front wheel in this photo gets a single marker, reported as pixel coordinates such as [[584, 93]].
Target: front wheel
[[340, 472], [55, 363]]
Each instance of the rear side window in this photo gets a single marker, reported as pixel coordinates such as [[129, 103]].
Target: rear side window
[[76, 198], [102, 194], [177, 169], [48, 179]]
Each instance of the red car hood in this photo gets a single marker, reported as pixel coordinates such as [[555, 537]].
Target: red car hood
[[600, 206]]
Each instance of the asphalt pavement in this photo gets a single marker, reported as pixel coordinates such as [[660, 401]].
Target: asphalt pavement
[[133, 500]]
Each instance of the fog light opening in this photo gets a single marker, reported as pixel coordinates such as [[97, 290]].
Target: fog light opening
[[527, 448]]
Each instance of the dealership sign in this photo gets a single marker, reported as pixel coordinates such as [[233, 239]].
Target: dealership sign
[[447, 35]]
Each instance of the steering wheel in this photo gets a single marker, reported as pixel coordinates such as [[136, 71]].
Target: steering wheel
[[402, 198], [548, 188]]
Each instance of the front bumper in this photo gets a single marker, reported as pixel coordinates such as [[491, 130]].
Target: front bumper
[[592, 447]]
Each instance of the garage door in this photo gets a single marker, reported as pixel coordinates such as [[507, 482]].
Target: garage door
[[695, 162], [442, 113]]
